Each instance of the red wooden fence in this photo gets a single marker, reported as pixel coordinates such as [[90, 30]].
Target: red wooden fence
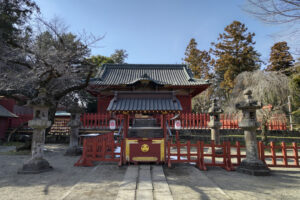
[[231, 155], [100, 148], [188, 121], [97, 120]]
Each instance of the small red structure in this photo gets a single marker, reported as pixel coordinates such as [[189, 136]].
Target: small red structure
[[141, 98]]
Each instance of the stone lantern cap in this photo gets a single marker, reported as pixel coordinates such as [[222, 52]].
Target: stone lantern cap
[[249, 103], [215, 108]]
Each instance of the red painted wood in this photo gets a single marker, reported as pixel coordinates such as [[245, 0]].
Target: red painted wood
[[102, 103], [186, 103]]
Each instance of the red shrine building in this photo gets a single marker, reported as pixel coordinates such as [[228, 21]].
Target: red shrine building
[[144, 94]]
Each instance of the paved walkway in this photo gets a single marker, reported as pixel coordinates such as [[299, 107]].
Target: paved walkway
[[144, 182], [109, 182]]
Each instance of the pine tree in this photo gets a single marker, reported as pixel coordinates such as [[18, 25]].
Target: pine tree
[[197, 60], [119, 56], [280, 58], [234, 53]]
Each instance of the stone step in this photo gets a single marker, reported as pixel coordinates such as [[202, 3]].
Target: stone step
[[144, 182]]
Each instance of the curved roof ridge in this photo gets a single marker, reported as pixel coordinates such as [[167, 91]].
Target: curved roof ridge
[[144, 65]]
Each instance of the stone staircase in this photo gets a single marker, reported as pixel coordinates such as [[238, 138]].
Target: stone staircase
[[144, 182]]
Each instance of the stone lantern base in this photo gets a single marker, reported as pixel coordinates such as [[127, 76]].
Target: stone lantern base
[[255, 168], [73, 151], [35, 166]]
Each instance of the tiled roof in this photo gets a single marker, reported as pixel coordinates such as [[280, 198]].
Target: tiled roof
[[144, 101], [5, 113], [120, 74]]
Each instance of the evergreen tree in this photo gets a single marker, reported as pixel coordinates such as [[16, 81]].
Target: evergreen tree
[[197, 60], [14, 15], [119, 56], [234, 53], [280, 58]]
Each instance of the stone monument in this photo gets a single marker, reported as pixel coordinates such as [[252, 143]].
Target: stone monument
[[215, 124], [74, 124], [39, 123], [251, 164]]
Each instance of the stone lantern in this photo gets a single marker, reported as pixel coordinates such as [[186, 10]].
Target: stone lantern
[[215, 124], [74, 124], [251, 164], [39, 123]]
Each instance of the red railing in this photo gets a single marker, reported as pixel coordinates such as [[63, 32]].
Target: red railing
[[188, 121], [97, 120], [100, 148], [194, 153], [231, 155], [287, 156]]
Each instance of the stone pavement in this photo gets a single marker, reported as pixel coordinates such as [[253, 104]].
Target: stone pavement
[[144, 182], [107, 181]]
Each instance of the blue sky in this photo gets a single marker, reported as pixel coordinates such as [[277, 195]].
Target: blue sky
[[156, 31]]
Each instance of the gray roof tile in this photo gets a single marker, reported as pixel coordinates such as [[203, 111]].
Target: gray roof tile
[[5, 113], [144, 101], [120, 74]]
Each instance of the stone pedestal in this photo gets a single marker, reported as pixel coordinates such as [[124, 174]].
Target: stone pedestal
[[74, 124], [215, 124], [251, 164], [39, 123]]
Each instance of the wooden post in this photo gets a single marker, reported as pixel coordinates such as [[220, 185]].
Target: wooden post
[[238, 152], [283, 147], [165, 132], [296, 158], [169, 154], [188, 148], [273, 152]]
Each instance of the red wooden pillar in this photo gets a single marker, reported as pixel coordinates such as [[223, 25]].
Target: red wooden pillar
[[126, 125], [164, 117]]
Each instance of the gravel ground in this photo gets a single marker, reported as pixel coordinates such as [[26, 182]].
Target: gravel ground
[[102, 181], [64, 182], [187, 182]]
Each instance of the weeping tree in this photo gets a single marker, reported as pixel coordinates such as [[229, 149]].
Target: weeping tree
[[270, 88], [40, 70]]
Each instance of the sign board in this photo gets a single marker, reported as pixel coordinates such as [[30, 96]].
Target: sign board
[[177, 124], [112, 124]]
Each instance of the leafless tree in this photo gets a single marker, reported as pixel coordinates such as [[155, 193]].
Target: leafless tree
[[279, 12], [270, 88], [53, 60], [275, 11]]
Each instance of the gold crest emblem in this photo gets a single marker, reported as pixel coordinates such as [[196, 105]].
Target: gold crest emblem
[[145, 148]]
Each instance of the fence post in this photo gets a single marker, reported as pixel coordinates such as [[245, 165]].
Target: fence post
[[238, 152], [178, 149], [283, 148], [273, 152], [295, 149], [188, 151], [169, 154]]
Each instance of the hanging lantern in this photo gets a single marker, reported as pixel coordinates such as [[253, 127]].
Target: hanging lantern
[[112, 124], [177, 124]]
